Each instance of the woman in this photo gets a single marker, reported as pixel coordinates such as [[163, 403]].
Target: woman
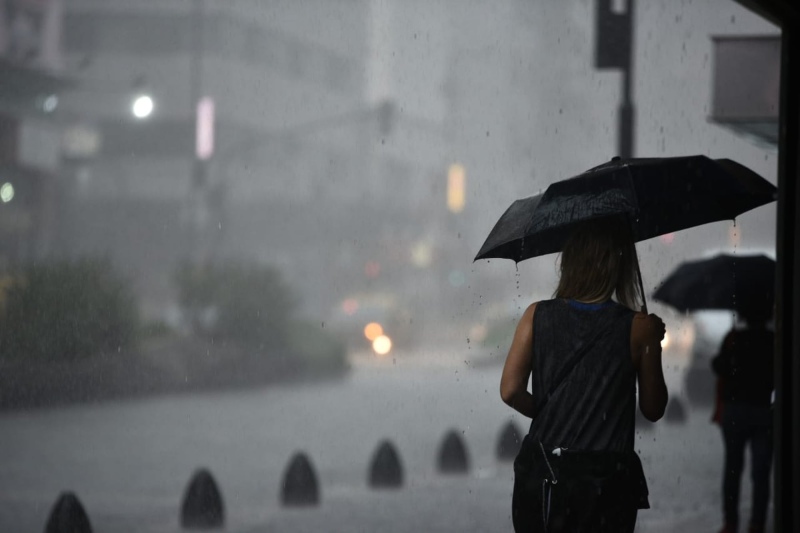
[[745, 365], [577, 470]]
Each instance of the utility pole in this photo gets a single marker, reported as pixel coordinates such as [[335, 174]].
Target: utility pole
[[198, 184], [614, 50]]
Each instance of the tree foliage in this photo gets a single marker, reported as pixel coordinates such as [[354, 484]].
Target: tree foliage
[[65, 310], [246, 303]]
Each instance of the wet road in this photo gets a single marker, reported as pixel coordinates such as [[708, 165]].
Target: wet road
[[129, 461]]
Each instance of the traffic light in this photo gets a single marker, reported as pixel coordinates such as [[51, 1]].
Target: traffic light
[[613, 35], [456, 176]]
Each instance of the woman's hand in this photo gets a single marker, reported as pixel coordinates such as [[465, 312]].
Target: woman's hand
[[659, 329], [518, 365]]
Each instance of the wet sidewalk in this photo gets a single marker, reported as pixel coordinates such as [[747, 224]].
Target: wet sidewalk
[[682, 463], [129, 462]]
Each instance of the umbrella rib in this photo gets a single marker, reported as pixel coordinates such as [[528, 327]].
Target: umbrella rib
[[525, 234]]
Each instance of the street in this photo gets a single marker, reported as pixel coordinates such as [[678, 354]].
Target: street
[[129, 462]]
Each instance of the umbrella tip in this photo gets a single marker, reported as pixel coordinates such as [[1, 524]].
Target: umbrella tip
[[616, 158]]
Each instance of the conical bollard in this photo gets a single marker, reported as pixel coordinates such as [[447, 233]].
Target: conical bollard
[[386, 471], [509, 442], [202, 503], [453, 457], [675, 412], [300, 486], [68, 516]]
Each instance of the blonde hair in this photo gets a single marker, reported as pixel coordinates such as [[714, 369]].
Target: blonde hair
[[599, 261]]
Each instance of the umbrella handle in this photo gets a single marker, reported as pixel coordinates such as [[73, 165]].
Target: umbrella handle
[[636, 255], [641, 286]]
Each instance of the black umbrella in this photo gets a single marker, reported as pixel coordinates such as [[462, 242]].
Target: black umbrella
[[741, 283], [658, 196]]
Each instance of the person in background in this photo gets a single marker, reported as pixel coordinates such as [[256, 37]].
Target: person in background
[[744, 367], [584, 353]]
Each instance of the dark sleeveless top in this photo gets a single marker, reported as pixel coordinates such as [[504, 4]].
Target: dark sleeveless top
[[593, 407]]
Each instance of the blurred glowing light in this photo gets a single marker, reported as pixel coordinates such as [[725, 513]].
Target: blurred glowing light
[[373, 330], [382, 345], [6, 192], [142, 106], [205, 128], [422, 254], [350, 306], [455, 188], [667, 238], [478, 332], [50, 103], [372, 269], [665, 341]]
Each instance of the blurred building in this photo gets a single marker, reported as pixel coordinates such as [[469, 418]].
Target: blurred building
[[335, 140], [352, 143], [288, 124], [464, 120], [30, 76], [745, 92]]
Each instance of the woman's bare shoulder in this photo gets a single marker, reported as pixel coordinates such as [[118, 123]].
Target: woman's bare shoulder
[[528, 314], [530, 311]]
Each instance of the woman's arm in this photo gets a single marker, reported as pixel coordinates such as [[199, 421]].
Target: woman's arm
[[646, 334], [517, 369]]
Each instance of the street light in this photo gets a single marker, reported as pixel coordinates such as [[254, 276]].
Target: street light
[[50, 103], [6, 193], [142, 106]]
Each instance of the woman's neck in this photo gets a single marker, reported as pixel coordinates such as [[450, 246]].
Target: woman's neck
[[593, 301]]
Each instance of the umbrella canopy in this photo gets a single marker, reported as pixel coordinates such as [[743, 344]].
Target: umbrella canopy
[[657, 195], [741, 283]]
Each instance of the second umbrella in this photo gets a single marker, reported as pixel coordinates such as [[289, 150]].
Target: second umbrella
[[741, 283]]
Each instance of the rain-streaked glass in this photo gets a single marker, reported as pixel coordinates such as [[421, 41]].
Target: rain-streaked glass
[[237, 242]]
